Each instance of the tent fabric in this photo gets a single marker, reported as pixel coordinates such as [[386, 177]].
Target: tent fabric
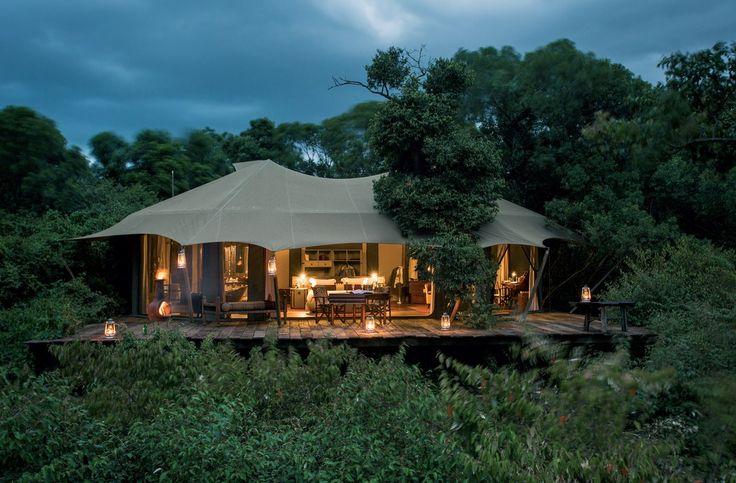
[[269, 205], [516, 225]]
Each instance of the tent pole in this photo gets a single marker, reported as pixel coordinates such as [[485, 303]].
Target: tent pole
[[276, 298], [533, 292], [188, 288]]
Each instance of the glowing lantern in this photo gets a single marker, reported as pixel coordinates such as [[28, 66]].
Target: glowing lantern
[[374, 279], [585, 294], [164, 309], [161, 274], [445, 321], [302, 279], [313, 282], [365, 282], [272, 265], [110, 328], [370, 323], [513, 276], [181, 259]]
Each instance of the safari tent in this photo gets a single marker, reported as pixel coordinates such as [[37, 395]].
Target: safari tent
[[217, 240]]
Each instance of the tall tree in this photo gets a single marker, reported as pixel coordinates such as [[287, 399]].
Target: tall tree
[[443, 177], [38, 168]]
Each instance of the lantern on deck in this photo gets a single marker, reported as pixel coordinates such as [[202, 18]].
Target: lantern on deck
[[164, 309], [585, 294], [110, 328], [181, 259], [445, 321], [370, 323], [302, 280], [272, 265]]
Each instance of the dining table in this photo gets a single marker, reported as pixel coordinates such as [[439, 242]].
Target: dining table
[[354, 298]]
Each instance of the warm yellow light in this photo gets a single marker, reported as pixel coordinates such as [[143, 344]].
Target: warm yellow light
[[110, 328], [313, 282], [272, 265], [164, 310], [445, 321], [161, 274], [365, 282], [585, 294], [181, 259], [513, 275], [370, 323], [374, 277]]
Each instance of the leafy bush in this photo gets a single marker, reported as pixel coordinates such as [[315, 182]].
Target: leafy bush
[[687, 295], [55, 312], [164, 409]]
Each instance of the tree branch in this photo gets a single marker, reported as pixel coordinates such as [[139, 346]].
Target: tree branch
[[341, 81]]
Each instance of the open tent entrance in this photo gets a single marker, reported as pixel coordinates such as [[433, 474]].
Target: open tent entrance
[[348, 266], [518, 266], [236, 272]]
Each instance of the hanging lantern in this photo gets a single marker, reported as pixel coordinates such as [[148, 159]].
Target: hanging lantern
[[181, 259], [161, 274], [445, 321], [370, 323], [585, 294], [110, 328], [272, 265]]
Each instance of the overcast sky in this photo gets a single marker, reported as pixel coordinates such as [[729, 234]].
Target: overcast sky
[[125, 65]]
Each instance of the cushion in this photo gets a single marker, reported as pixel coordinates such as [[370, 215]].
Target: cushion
[[238, 306]]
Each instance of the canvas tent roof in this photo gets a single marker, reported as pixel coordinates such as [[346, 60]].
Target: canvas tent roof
[[266, 204]]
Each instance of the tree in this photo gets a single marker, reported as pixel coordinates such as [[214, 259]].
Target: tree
[[344, 141], [37, 166], [538, 106], [109, 151], [443, 177]]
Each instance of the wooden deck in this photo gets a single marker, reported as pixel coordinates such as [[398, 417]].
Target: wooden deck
[[555, 325], [421, 337]]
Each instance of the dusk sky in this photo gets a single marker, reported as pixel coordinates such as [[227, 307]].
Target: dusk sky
[[125, 65]]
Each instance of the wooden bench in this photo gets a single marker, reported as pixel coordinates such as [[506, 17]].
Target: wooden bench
[[224, 310], [588, 308]]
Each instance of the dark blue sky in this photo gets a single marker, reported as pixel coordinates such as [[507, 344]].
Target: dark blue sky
[[124, 65]]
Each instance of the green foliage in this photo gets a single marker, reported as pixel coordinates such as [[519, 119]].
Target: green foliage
[[454, 262], [707, 79], [564, 422], [57, 310], [687, 295], [344, 142], [36, 164], [443, 177], [163, 409]]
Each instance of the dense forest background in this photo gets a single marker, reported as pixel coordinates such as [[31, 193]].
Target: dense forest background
[[645, 173]]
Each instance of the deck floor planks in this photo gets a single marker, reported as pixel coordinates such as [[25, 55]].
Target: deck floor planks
[[553, 324]]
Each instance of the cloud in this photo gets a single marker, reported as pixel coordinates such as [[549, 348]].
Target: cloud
[[385, 21], [124, 65]]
